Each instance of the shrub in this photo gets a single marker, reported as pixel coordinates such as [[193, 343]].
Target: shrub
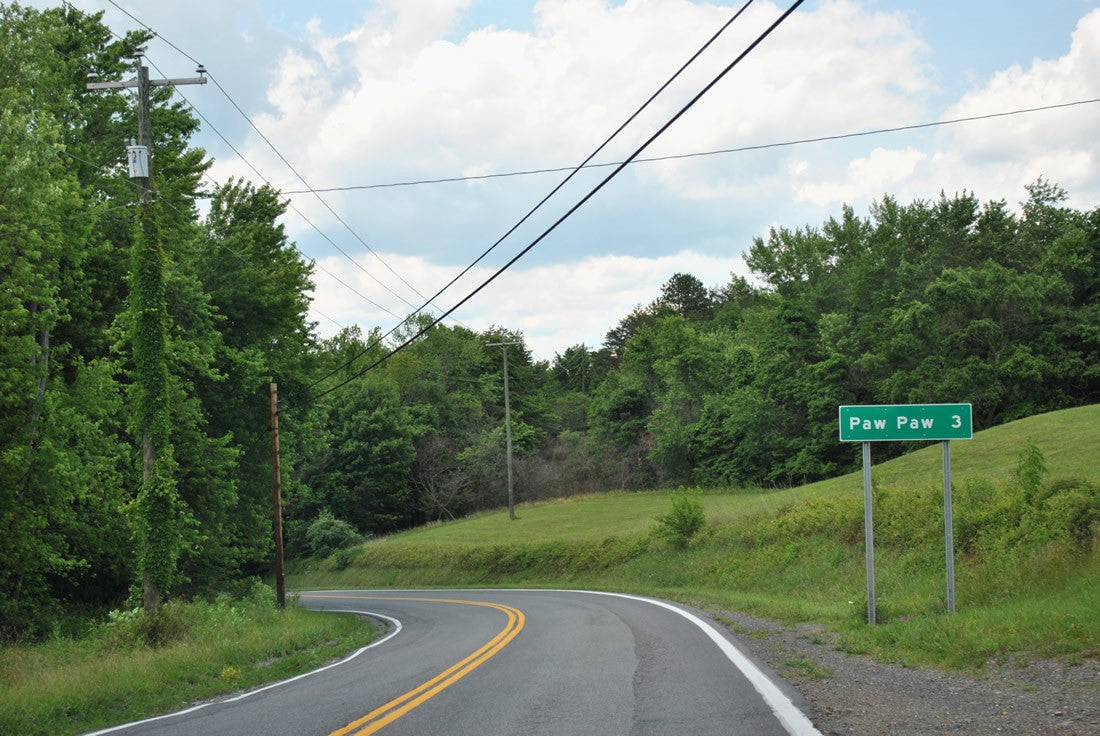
[[835, 518], [1074, 506], [684, 521], [326, 534]]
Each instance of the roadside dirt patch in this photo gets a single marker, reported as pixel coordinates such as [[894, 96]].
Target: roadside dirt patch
[[857, 696]]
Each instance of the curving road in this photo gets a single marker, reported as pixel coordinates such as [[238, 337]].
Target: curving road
[[522, 662]]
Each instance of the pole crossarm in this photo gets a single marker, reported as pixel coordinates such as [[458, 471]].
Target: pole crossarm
[[152, 83]]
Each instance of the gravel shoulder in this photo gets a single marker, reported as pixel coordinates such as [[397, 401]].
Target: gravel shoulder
[[853, 695]]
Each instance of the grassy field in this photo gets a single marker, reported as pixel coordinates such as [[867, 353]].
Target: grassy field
[[1027, 561], [67, 686]]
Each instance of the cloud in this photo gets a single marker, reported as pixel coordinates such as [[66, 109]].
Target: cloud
[[993, 158], [395, 100], [884, 170], [555, 306], [405, 89]]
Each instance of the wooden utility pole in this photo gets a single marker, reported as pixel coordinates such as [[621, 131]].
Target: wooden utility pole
[[280, 573], [148, 305], [507, 426]]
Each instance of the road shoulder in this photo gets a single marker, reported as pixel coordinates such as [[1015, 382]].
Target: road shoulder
[[854, 695]]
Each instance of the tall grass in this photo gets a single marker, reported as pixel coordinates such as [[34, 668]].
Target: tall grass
[[207, 648]]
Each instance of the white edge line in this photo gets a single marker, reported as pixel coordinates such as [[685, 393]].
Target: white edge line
[[396, 630], [790, 717], [793, 720]]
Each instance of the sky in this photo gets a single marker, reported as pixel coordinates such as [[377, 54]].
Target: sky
[[359, 94]]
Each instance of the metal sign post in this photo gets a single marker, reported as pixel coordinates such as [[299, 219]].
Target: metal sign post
[[894, 422], [948, 526], [868, 533]]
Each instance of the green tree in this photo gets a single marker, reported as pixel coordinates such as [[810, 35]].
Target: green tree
[[41, 229], [364, 475], [686, 296]]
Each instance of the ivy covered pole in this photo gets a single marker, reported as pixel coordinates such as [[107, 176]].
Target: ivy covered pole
[[157, 509], [157, 502], [157, 505]]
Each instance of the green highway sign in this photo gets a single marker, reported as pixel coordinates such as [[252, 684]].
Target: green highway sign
[[892, 422]]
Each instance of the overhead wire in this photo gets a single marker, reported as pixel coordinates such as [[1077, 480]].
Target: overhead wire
[[554, 191], [715, 152], [283, 158], [64, 151], [660, 131], [286, 202], [220, 244]]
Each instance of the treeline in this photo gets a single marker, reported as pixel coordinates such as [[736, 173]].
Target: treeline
[[945, 301], [949, 301]]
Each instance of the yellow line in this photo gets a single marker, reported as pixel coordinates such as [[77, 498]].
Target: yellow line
[[399, 706]]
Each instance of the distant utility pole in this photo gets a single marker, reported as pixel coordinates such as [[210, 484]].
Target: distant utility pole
[[507, 425], [148, 305], [280, 572]]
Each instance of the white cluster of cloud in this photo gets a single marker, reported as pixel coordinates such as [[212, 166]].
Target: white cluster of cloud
[[994, 158], [556, 305], [400, 95]]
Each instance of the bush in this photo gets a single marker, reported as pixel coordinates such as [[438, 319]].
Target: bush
[[1074, 505], [835, 518], [684, 521], [326, 534]]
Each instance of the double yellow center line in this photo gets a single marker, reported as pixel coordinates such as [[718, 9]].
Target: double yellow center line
[[383, 716]]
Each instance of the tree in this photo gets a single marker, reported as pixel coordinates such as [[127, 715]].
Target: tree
[[39, 238], [364, 475], [686, 296], [257, 327]]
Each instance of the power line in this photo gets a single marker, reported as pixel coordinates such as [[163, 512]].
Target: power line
[[660, 131], [148, 28], [574, 170], [677, 156], [326, 205], [296, 173], [220, 244], [288, 203]]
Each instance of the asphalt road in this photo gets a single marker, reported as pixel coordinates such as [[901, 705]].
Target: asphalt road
[[521, 663]]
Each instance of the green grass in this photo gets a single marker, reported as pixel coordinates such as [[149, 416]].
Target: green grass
[[1024, 584], [73, 686], [807, 668]]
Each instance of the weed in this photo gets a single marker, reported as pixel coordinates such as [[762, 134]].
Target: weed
[[230, 673], [730, 624], [807, 667], [685, 519]]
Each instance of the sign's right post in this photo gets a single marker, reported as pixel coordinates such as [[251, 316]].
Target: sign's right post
[[948, 526]]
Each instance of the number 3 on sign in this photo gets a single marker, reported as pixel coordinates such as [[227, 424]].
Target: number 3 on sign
[[958, 421]]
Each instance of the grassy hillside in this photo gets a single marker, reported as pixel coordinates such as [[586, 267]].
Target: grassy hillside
[[1027, 562]]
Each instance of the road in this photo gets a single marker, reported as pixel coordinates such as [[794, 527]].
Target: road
[[517, 662]]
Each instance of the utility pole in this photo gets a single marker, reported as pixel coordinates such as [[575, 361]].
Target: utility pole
[[507, 425], [280, 575], [149, 339]]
